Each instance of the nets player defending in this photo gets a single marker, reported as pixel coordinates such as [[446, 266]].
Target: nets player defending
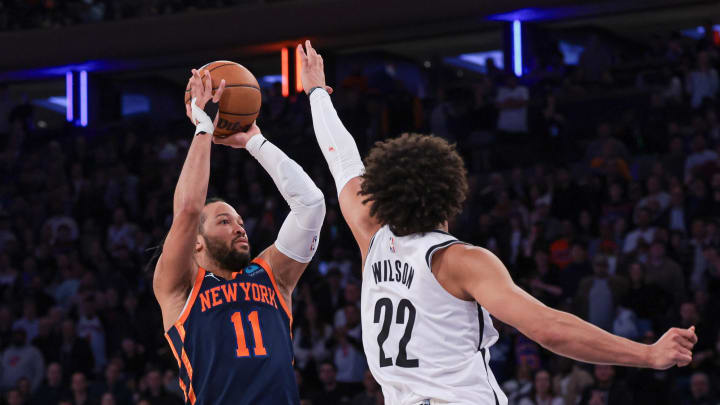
[[426, 297], [228, 319]]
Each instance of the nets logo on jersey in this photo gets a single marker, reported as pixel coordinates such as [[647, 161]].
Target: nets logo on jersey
[[253, 269], [392, 244]]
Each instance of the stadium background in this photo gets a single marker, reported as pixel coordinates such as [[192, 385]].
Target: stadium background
[[595, 177]]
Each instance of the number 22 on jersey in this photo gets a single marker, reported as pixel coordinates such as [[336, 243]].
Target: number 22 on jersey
[[404, 306], [242, 348]]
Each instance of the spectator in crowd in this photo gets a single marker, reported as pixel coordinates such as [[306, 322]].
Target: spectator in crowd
[[75, 354], [155, 391], [700, 392], [21, 360], [571, 381], [52, 389], [545, 281], [329, 392], [642, 235], [311, 338], [29, 321], [606, 390], [13, 397], [349, 356], [575, 272], [702, 83], [372, 395], [351, 296], [108, 399], [79, 388], [648, 301], [91, 328], [512, 100], [664, 272], [519, 386], [114, 385], [599, 295], [541, 392], [700, 160]]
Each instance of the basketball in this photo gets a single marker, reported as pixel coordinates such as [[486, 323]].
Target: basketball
[[240, 102]]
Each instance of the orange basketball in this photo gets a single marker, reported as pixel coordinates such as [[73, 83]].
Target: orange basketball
[[240, 102]]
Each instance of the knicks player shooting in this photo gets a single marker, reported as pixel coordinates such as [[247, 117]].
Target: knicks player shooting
[[228, 319], [426, 297]]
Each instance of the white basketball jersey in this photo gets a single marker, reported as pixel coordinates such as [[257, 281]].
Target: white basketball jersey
[[423, 345]]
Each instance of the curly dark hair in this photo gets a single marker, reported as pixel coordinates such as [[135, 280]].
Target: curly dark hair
[[414, 183]]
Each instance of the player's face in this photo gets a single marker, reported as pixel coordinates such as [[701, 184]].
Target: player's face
[[223, 236]]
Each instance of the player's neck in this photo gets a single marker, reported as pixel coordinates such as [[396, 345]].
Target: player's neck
[[213, 267]]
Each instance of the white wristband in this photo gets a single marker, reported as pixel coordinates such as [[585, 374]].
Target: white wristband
[[203, 123]]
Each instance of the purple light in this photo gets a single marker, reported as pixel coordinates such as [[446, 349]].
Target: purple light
[[83, 98], [517, 48], [69, 96]]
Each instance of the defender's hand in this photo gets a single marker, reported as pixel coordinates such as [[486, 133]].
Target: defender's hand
[[674, 347], [201, 88], [238, 140], [312, 72]]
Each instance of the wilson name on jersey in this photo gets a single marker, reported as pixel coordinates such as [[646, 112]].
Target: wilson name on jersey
[[421, 342], [232, 341]]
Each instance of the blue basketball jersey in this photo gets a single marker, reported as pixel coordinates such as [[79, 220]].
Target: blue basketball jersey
[[232, 341]]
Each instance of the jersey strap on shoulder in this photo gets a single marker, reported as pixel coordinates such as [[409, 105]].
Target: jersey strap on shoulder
[[262, 263], [442, 245]]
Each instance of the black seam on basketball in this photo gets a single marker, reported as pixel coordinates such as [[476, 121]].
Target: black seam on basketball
[[244, 114], [218, 67], [235, 85], [240, 85]]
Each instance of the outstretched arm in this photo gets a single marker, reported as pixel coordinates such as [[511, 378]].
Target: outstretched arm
[[475, 273], [174, 271], [338, 147], [299, 235]]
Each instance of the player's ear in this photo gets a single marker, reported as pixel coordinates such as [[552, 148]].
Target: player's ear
[[198, 243]]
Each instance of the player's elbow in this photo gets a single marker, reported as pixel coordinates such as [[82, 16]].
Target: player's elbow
[[315, 199], [187, 211]]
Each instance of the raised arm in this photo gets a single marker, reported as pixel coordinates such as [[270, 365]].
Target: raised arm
[[338, 147], [299, 235], [473, 273], [175, 269]]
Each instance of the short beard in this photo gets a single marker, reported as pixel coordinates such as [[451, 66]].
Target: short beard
[[226, 257]]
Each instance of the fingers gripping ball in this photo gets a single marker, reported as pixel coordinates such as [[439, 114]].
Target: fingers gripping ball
[[240, 102]]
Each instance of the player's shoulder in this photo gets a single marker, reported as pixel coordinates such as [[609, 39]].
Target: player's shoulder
[[464, 255]]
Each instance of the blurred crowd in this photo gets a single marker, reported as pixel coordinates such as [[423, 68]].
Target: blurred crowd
[[598, 185], [29, 14]]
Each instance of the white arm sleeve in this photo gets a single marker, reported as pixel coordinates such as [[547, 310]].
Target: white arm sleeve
[[336, 143], [300, 233]]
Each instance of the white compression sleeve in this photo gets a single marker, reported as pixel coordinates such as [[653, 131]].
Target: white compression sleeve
[[300, 233], [336, 143]]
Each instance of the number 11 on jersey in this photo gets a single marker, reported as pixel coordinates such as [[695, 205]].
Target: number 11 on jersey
[[242, 348]]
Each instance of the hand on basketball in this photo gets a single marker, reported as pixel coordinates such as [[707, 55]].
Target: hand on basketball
[[673, 348], [201, 88], [312, 72], [238, 140]]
